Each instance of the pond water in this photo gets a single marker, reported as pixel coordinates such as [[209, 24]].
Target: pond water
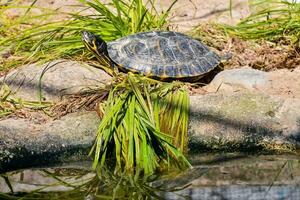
[[214, 177]]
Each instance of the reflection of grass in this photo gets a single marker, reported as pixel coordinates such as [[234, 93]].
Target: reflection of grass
[[102, 185], [31, 37], [270, 19], [265, 172]]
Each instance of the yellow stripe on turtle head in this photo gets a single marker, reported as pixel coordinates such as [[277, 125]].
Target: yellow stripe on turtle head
[[98, 46], [91, 45]]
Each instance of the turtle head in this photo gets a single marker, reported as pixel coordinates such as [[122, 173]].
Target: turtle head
[[94, 43], [99, 47]]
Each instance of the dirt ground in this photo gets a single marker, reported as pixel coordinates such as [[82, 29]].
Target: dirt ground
[[190, 13], [185, 15]]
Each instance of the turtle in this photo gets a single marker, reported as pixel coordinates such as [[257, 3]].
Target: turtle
[[162, 55]]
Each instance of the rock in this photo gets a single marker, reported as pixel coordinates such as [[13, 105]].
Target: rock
[[53, 80], [243, 121], [284, 83], [246, 113], [239, 79], [25, 144], [221, 122]]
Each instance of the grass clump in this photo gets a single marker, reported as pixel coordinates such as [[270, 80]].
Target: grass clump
[[270, 19], [33, 39], [259, 53], [267, 39], [138, 114]]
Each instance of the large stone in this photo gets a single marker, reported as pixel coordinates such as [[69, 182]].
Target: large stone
[[284, 83], [243, 121], [250, 113], [239, 79], [232, 122], [53, 80], [26, 144]]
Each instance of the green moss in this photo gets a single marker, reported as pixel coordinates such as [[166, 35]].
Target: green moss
[[249, 106]]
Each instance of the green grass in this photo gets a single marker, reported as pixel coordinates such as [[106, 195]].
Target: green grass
[[38, 37], [144, 127], [271, 20]]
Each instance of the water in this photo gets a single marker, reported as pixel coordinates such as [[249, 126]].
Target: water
[[214, 177]]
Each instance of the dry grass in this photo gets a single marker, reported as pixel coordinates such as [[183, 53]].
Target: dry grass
[[86, 101], [259, 54]]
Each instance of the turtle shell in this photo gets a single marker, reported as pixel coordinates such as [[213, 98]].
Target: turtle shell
[[163, 54]]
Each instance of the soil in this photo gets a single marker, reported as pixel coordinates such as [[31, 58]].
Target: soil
[[186, 13], [190, 13]]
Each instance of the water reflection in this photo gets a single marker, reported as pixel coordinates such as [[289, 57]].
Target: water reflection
[[72, 183], [235, 177]]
